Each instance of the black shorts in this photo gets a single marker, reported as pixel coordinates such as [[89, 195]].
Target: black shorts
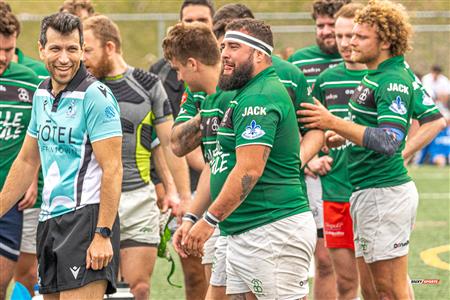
[[11, 233], [62, 243]]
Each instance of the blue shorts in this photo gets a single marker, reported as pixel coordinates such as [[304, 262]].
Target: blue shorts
[[11, 233]]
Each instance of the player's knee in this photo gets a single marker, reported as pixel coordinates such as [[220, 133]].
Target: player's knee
[[346, 285], [323, 265], [141, 290]]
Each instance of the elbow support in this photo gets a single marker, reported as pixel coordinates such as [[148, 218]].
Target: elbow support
[[383, 140]]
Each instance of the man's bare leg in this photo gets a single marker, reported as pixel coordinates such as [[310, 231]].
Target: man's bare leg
[[346, 272], [391, 278], [208, 271], [136, 267], [92, 291], [368, 290], [216, 293], [6, 273], [194, 278], [324, 279], [54, 296], [25, 271]]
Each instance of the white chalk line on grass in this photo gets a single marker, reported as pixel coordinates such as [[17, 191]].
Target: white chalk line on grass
[[435, 195]]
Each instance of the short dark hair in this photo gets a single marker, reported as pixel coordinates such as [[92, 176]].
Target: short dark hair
[[327, 7], [207, 3], [192, 40], [256, 28], [436, 69], [233, 11], [64, 23], [9, 24]]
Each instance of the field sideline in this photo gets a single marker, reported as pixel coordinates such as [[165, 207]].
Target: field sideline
[[432, 230]]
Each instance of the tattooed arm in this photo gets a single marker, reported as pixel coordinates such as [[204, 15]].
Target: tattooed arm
[[186, 136], [250, 163]]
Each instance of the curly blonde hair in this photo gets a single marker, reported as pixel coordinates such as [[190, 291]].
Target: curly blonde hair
[[392, 24]]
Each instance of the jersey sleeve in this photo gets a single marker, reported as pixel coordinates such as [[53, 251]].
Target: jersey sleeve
[[32, 126], [101, 112], [393, 106], [255, 121], [303, 95], [424, 108], [190, 104], [160, 104]]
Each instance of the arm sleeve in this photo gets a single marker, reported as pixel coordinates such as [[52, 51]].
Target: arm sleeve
[[255, 121], [304, 95], [160, 103], [190, 104], [32, 126], [424, 108], [102, 113]]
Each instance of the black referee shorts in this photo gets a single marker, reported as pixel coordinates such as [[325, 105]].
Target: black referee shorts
[[11, 233], [62, 243]]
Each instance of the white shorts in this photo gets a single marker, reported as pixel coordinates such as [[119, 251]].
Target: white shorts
[[139, 218], [209, 248], [272, 261], [314, 189], [219, 267], [30, 223], [383, 219]]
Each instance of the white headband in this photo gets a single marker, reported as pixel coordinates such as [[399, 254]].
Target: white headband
[[240, 37]]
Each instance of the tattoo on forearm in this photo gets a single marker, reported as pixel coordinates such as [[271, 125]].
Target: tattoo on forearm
[[247, 183], [190, 135]]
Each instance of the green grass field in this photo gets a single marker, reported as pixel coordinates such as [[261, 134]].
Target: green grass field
[[432, 230]]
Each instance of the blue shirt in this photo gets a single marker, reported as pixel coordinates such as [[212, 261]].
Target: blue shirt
[[65, 127]]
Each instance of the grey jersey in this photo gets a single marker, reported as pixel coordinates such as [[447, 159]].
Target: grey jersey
[[143, 104]]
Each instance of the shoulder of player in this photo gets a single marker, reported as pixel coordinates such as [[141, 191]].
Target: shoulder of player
[[22, 75], [397, 82], [146, 79], [37, 66], [303, 53]]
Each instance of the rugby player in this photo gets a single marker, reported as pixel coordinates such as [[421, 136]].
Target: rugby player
[[17, 84], [75, 133], [144, 107], [202, 11], [313, 60], [81, 8], [234, 174], [380, 111]]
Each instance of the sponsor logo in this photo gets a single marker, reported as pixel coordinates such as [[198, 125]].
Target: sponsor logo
[[349, 92], [398, 87], [254, 111], [102, 89], [10, 125], [401, 244], [109, 112], [363, 96], [303, 282], [58, 134], [44, 104], [331, 97], [23, 95], [363, 244], [398, 106], [71, 110], [332, 65], [2, 88], [257, 287], [74, 271], [312, 70], [183, 98], [253, 131], [219, 164]]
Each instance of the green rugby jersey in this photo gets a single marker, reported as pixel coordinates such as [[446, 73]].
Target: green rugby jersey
[[17, 86], [333, 88], [384, 98], [42, 73], [143, 103], [37, 66], [312, 61], [261, 114]]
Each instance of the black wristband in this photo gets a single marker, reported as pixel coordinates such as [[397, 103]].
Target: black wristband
[[210, 219], [190, 217]]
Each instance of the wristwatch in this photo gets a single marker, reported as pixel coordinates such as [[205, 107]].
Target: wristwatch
[[104, 231]]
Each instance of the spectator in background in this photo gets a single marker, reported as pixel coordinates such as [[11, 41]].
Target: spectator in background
[[438, 85], [81, 8]]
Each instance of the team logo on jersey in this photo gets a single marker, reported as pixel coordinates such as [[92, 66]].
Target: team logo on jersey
[[363, 244], [74, 271], [23, 95], [71, 110], [427, 100], [363, 96], [253, 131], [109, 112], [398, 106], [102, 89]]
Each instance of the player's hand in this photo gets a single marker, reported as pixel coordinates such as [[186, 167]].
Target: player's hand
[[30, 197], [178, 237], [195, 240], [320, 165], [334, 140], [100, 253], [170, 200], [315, 115]]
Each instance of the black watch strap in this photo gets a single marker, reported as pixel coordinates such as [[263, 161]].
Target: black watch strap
[[104, 231]]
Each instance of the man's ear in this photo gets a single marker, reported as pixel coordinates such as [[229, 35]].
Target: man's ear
[[41, 50], [259, 57], [192, 64], [385, 46], [110, 48]]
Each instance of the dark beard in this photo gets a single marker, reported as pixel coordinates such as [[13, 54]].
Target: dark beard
[[326, 49], [239, 78], [103, 68]]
